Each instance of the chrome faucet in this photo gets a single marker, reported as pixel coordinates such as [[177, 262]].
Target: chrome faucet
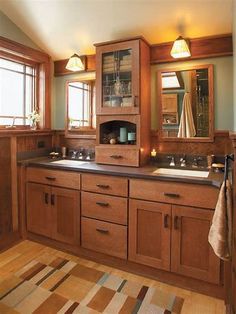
[[172, 160], [183, 161], [195, 162]]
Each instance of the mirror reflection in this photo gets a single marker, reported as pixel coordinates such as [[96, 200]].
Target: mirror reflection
[[81, 105], [186, 102]]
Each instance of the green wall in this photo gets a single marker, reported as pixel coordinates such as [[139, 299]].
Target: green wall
[[223, 90], [9, 30]]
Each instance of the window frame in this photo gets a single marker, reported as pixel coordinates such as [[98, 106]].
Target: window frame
[[17, 52], [88, 132]]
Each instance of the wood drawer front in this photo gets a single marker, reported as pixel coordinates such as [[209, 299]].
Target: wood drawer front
[[105, 184], [104, 237], [117, 156], [104, 207], [64, 179], [174, 193]]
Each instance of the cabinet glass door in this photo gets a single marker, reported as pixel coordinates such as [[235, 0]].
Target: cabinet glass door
[[117, 79]]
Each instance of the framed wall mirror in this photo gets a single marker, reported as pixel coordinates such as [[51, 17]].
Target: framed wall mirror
[[185, 102], [80, 108]]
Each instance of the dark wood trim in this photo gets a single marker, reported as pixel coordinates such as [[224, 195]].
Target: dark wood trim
[[117, 41], [203, 47], [10, 46]]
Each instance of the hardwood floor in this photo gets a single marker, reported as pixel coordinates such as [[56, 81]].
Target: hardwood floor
[[16, 257]]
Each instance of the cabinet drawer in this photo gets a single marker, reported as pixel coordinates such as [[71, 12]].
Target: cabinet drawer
[[104, 237], [104, 207], [117, 156], [65, 179], [105, 184], [175, 193]]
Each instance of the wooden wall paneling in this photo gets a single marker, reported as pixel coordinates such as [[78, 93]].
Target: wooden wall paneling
[[14, 191], [21, 171], [220, 146], [204, 47]]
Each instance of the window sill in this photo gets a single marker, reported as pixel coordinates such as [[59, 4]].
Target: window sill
[[26, 131]]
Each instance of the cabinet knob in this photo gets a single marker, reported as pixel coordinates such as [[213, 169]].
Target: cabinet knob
[[166, 218], [102, 204], [103, 186], [102, 230], [46, 198], [116, 156], [176, 222], [52, 199], [172, 194], [51, 178]]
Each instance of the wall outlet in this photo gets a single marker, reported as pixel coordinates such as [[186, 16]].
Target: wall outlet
[[41, 144]]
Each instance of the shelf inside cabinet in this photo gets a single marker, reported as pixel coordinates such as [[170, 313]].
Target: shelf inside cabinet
[[118, 132]]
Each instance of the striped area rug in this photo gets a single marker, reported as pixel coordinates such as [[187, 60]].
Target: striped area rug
[[63, 286]]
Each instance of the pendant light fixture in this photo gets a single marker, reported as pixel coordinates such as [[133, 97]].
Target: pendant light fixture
[[75, 63], [180, 48]]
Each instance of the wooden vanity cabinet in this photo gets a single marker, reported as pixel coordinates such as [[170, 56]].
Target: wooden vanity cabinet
[[104, 211], [149, 233], [172, 237], [53, 211], [191, 254]]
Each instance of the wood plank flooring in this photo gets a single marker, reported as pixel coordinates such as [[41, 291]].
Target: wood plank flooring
[[16, 257]]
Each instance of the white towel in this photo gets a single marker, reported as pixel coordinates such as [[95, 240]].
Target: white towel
[[186, 126], [220, 234]]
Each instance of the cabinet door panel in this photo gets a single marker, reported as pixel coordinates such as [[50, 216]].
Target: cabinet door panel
[[191, 253], [149, 233], [66, 215], [39, 216], [124, 58]]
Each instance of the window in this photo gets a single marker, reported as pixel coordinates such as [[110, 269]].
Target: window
[[25, 75], [17, 92], [81, 105]]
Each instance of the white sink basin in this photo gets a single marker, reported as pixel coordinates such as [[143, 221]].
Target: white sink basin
[[182, 172], [70, 162]]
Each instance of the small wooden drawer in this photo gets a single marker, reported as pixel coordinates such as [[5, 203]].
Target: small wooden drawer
[[104, 237], [117, 156], [104, 207], [175, 193], [105, 184], [65, 179]]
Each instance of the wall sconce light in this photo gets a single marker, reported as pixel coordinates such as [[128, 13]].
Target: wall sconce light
[[75, 63], [180, 48]]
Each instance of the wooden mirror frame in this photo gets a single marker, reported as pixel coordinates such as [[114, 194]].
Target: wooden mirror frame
[[210, 138], [83, 132]]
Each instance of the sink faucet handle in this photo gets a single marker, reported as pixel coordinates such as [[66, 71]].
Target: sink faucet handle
[[172, 160]]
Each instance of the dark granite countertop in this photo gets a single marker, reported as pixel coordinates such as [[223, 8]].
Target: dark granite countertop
[[145, 172]]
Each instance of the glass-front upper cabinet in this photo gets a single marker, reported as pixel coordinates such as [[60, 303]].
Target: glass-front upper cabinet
[[118, 78]]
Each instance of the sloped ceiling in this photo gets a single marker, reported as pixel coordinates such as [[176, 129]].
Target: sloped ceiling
[[62, 27]]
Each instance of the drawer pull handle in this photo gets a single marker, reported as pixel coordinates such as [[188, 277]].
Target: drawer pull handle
[[46, 198], [102, 230], [103, 186], [50, 178], [102, 204], [52, 199], [166, 217], [172, 195], [176, 220], [116, 156]]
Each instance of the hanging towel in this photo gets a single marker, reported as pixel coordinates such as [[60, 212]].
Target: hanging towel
[[186, 126], [220, 234]]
